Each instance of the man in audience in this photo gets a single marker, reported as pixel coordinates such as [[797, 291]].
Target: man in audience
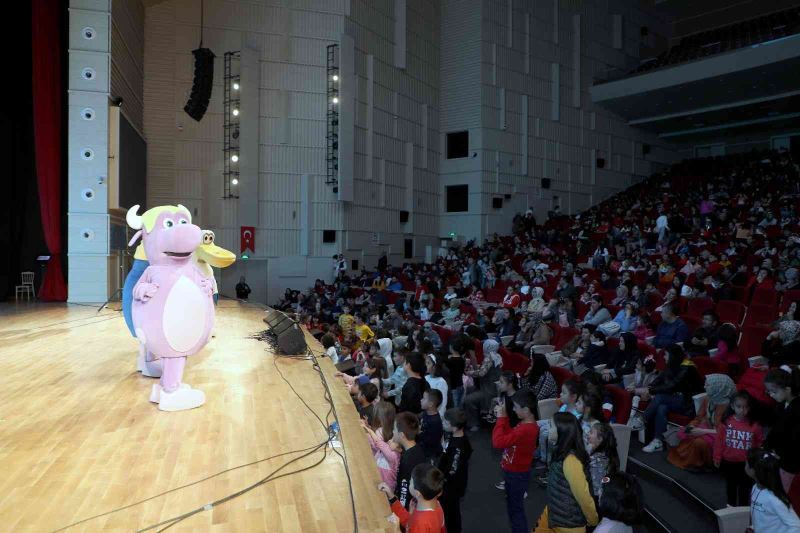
[[671, 330], [704, 338]]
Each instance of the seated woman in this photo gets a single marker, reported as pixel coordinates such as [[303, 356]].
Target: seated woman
[[539, 379], [622, 361], [671, 392], [622, 296], [578, 344], [596, 353], [697, 438], [538, 332], [790, 314], [782, 346], [537, 303], [626, 318]]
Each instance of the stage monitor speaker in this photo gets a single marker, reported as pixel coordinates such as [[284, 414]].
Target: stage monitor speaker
[[201, 86], [403, 217], [601, 163], [497, 203], [545, 183], [291, 340]]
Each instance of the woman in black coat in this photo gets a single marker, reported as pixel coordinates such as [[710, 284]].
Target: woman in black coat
[[622, 360]]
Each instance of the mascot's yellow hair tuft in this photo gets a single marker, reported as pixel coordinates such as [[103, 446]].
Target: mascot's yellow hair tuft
[[148, 219]]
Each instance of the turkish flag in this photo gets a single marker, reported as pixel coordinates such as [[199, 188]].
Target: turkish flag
[[248, 234]]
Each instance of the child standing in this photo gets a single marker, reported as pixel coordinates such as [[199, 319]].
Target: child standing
[[394, 385], [367, 393], [770, 509], [620, 505], [519, 445], [415, 386], [430, 437], [456, 364], [433, 376], [406, 429], [570, 391], [426, 516], [570, 505], [783, 386], [603, 456], [379, 434], [454, 463], [735, 436]]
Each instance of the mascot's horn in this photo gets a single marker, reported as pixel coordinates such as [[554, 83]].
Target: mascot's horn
[[134, 220]]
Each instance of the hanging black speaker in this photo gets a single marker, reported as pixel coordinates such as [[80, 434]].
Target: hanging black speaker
[[202, 84]]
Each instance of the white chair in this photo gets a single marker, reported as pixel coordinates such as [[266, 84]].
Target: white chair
[[627, 380], [698, 401], [649, 340], [757, 360], [622, 433], [712, 352], [599, 368], [543, 348], [506, 339], [26, 288], [733, 519], [547, 408]]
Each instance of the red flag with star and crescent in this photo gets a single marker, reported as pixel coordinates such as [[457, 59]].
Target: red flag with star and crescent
[[248, 234]]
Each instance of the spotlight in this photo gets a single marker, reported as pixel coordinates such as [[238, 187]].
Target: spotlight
[[234, 158], [235, 112], [335, 100], [236, 86], [235, 181], [335, 77]]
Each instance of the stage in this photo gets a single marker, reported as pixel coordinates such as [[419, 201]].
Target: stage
[[79, 438]]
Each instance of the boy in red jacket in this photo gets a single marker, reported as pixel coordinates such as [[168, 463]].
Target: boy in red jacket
[[736, 434], [426, 515], [519, 446]]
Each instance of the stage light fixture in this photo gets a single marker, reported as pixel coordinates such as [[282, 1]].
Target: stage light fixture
[[235, 112], [236, 86], [234, 158], [335, 77], [335, 100], [235, 181]]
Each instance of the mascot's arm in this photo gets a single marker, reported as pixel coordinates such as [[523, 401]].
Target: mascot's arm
[[206, 284], [145, 288]]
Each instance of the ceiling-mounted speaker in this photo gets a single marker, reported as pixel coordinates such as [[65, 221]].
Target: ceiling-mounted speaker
[[497, 203], [202, 84], [291, 340], [403, 217], [507, 196], [545, 183], [601, 163]]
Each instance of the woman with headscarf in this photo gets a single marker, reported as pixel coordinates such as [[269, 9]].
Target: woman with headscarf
[[622, 361], [537, 303], [622, 296], [782, 346], [385, 351], [489, 372], [695, 450]]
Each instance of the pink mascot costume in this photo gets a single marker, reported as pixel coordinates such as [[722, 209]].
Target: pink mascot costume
[[173, 309]]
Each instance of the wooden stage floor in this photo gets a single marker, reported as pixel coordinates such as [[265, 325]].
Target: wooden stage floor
[[79, 438]]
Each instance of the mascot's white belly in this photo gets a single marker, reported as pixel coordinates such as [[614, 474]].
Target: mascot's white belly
[[184, 315]]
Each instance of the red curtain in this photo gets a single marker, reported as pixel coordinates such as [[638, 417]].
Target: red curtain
[[46, 33]]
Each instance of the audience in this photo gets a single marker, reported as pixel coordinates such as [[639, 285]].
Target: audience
[[648, 273]]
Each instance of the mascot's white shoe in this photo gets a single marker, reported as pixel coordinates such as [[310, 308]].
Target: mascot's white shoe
[[155, 392], [181, 399]]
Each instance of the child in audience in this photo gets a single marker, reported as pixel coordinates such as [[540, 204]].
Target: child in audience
[[770, 509], [454, 463], [456, 364], [430, 437], [603, 456], [379, 433], [415, 386], [735, 436], [590, 406], [328, 342], [570, 505], [644, 376], [426, 516], [783, 386], [406, 429], [394, 385], [519, 445], [570, 390], [367, 392], [620, 504], [433, 376]]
